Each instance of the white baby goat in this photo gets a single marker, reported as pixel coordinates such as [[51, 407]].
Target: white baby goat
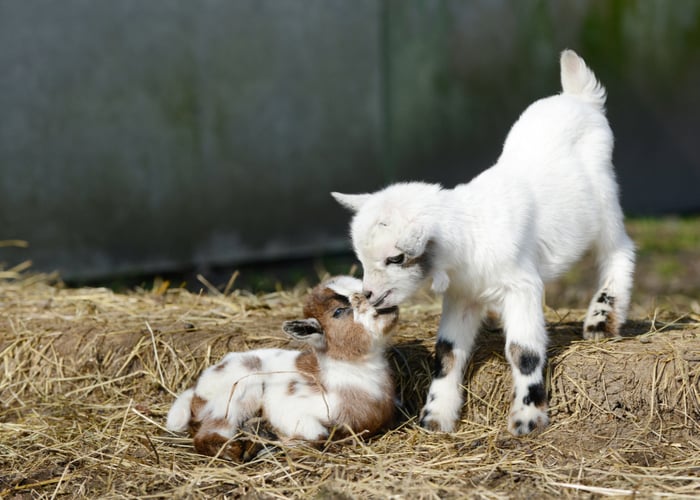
[[343, 383], [489, 245]]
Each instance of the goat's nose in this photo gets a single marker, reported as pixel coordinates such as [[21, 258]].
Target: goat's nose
[[368, 293]]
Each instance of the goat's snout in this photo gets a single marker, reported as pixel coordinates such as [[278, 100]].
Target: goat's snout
[[380, 300], [367, 294]]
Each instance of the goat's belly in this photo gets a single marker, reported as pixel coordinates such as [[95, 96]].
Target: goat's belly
[[557, 257]]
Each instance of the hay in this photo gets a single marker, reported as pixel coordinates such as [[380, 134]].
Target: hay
[[88, 376]]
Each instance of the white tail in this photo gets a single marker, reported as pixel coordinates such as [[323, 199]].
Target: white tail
[[179, 414], [578, 79]]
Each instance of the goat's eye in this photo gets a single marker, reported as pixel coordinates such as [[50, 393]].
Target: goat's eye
[[396, 259], [339, 312]]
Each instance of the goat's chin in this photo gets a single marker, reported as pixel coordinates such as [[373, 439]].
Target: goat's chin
[[388, 310]]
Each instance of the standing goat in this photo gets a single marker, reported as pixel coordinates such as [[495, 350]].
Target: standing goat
[[490, 244], [343, 383]]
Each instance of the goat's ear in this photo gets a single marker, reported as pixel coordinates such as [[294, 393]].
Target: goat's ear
[[414, 242], [306, 330], [352, 202]]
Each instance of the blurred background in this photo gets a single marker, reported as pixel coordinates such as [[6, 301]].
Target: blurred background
[[177, 138]]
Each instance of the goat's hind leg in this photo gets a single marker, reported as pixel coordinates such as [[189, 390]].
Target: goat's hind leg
[[235, 392], [213, 438], [608, 308]]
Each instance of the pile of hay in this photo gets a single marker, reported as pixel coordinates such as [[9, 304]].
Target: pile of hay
[[88, 376]]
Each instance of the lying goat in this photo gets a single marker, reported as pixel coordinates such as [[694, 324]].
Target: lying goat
[[490, 245], [342, 385]]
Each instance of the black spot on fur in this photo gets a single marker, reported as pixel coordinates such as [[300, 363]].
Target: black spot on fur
[[604, 298], [535, 395], [444, 359], [601, 326], [525, 360], [528, 362], [531, 425]]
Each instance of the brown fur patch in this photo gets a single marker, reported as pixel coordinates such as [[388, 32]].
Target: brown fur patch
[[363, 413], [196, 407], [211, 444], [292, 387], [220, 366], [252, 363], [345, 340], [307, 364], [349, 342]]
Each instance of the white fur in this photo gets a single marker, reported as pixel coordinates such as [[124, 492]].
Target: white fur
[[244, 384], [492, 243]]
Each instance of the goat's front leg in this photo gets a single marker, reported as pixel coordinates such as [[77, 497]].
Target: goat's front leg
[[526, 344], [458, 327]]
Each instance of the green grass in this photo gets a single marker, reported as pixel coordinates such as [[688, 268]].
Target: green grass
[[665, 235]]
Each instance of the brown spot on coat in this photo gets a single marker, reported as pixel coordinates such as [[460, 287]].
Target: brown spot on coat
[[345, 339], [252, 363], [213, 444], [307, 364], [196, 407], [362, 413]]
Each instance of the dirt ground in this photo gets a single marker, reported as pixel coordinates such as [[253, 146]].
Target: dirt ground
[[89, 374]]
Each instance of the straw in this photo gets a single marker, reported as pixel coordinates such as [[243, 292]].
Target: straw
[[88, 376]]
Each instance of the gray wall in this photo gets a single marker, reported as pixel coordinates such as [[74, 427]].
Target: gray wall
[[147, 136]]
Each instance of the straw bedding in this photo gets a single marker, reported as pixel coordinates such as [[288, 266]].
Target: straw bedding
[[88, 376]]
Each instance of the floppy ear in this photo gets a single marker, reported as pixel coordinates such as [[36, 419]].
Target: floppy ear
[[306, 330], [414, 241], [351, 201]]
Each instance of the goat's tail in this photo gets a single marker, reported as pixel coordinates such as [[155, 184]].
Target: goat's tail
[[180, 413], [578, 79]]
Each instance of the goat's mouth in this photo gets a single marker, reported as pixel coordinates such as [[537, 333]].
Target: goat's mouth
[[381, 299], [388, 310]]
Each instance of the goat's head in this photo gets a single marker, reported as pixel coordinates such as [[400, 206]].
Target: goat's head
[[394, 234], [340, 322]]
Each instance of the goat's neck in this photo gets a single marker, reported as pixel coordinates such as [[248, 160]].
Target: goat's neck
[[335, 372]]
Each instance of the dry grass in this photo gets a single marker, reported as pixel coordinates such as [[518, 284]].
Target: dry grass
[[88, 376]]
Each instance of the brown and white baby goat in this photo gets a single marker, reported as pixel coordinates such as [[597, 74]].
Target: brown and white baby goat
[[343, 383]]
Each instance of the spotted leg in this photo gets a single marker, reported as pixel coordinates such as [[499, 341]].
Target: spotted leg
[[458, 328], [526, 342], [608, 308]]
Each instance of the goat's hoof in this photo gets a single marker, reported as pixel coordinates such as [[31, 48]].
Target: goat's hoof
[[527, 419], [601, 320], [359, 302], [599, 331], [431, 422]]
